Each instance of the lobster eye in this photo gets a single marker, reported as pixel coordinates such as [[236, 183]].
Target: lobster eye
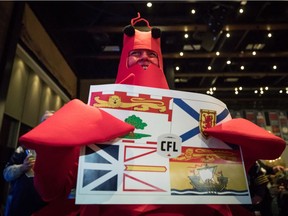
[[129, 30], [156, 33]]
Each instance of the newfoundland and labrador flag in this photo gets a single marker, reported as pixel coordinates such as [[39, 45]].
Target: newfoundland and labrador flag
[[168, 159]]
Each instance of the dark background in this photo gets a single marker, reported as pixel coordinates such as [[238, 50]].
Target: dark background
[[84, 30]]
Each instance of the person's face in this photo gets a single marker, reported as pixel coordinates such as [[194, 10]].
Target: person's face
[[142, 57]]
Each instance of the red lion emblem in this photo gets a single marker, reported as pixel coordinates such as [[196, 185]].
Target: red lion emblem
[[207, 120]]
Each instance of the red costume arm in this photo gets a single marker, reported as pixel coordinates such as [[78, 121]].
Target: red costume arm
[[256, 143], [57, 142], [76, 124]]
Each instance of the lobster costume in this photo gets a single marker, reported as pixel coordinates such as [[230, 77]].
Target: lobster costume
[[57, 141]]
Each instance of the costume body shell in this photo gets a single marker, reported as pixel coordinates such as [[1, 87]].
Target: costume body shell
[[58, 140]]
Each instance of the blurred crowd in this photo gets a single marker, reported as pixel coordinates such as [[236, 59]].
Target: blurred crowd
[[269, 189]]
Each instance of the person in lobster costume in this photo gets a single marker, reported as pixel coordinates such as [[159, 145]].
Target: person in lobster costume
[[58, 140]]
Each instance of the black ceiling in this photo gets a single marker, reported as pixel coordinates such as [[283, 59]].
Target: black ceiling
[[83, 29]]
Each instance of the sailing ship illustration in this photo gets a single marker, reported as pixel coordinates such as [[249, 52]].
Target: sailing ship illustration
[[207, 180]]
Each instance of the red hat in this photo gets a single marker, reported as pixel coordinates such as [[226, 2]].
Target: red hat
[[136, 75]]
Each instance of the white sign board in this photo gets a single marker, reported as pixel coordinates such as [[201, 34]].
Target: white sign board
[[167, 159]]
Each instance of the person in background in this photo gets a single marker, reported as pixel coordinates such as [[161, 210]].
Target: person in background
[[282, 197], [22, 199], [260, 184], [279, 193]]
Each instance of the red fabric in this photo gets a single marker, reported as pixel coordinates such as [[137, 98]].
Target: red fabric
[[61, 207], [68, 208], [238, 210], [159, 210], [256, 143], [56, 171], [136, 75], [76, 124]]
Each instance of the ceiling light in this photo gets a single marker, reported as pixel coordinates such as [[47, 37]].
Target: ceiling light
[[257, 46], [111, 49], [217, 53], [256, 91], [180, 80], [266, 88], [193, 11], [149, 4], [227, 35], [197, 47], [209, 67], [254, 53], [228, 62], [211, 90], [268, 27], [269, 35], [240, 88], [236, 91], [181, 53], [186, 35], [231, 79], [177, 68], [242, 67], [189, 47], [281, 91], [249, 46], [241, 10], [274, 67]]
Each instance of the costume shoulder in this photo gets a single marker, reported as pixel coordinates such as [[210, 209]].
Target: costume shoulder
[[255, 141], [76, 124]]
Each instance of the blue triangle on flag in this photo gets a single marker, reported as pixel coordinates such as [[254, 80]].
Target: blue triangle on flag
[[108, 185], [92, 175], [92, 156]]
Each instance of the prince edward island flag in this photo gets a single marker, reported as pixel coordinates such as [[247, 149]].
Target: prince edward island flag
[[168, 159]]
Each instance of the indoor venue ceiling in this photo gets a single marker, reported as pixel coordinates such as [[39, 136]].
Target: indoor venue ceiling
[[89, 35]]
